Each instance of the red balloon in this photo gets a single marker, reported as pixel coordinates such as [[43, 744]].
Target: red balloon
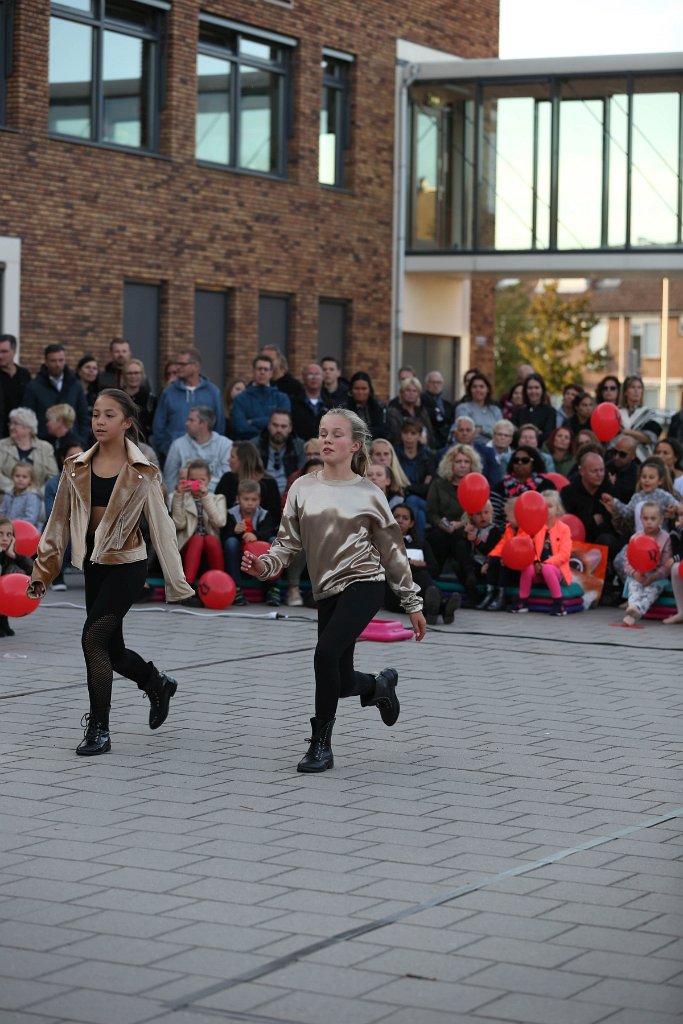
[[13, 599], [576, 527], [473, 492], [257, 547], [643, 553], [605, 421], [531, 512], [557, 479], [518, 552], [216, 589], [26, 537]]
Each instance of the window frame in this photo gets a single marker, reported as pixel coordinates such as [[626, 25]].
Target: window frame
[[152, 91], [341, 85], [638, 328], [234, 32], [6, 33]]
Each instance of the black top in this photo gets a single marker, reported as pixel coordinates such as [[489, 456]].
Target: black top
[[101, 488]]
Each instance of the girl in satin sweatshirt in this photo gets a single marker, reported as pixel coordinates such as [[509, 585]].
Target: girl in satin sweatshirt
[[342, 522]]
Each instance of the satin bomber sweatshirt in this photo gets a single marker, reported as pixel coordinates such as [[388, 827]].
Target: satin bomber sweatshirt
[[348, 535]]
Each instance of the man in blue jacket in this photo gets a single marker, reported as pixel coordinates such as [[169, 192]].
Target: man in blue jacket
[[54, 384], [251, 409], [175, 401]]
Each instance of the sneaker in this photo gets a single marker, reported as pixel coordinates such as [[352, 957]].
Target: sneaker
[[520, 607], [294, 598], [273, 597], [58, 583]]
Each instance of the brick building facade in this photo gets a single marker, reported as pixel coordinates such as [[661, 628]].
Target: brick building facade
[[92, 217]]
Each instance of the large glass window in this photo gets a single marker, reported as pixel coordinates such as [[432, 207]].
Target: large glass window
[[335, 118], [655, 168], [105, 70], [273, 321], [5, 51], [242, 85]]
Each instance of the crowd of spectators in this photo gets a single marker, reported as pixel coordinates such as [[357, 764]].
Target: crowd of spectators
[[228, 459]]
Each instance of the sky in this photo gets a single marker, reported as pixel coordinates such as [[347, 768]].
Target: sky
[[553, 28]]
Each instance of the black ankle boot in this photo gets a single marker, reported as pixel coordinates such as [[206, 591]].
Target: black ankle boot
[[384, 696], [95, 738], [498, 603], [449, 607], [159, 689], [487, 598], [431, 603], [319, 757]]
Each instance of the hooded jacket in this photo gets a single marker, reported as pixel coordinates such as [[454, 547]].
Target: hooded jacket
[[175, 402], [41, 393], [118, 539]]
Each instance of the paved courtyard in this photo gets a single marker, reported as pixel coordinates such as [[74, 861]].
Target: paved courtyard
[[510, 852]]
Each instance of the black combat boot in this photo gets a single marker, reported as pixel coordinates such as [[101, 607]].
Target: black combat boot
[[384, 697], [319, 757], [95, 738], [159, 690]]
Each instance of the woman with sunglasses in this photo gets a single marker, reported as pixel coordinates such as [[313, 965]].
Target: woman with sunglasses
[[525, 470], [608, 390]]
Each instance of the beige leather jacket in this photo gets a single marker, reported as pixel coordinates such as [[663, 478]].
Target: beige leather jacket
[[118, 539], [184, 515]]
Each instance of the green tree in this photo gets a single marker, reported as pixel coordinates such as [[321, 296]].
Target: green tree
[[512, 321]]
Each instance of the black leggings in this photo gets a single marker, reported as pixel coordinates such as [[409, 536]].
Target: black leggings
[[109, 592], [341, 620]]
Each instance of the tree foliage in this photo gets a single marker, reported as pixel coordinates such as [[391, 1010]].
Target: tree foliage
[[546, 329]]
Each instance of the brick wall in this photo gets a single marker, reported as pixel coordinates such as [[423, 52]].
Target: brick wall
[[91, 217]]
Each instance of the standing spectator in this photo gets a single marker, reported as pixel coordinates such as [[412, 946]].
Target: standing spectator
[[566, 409], [23, 445], [282, 379], [535, 409], [308, 410], [408, 406], [232, 388], [136, 385], [176, 400], [608, 390], [251, 408], [281, 451], [335, 388], [200, 441], [53, 384], [361, 400], [119, 355], [623, 467], [439, 409], [444, 510], [87, 371], [637, 420], [245, 464], [479, 406], [13, 380], [583, 409]]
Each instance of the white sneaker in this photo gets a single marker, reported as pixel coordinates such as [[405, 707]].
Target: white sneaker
[[294, 598], [59, 586]]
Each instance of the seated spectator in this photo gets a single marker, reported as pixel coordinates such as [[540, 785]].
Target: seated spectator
[[530, 436], [23, 445], [566, 409], [294, 598], [608, 390], [51, 485], [586, 436], [643, 589], [654, 485], [582, 497], [444, 511], [384, 453], [310, 407], [670, 451], [335, 388], [500, 446], [408, 406], [637, 421], [134, 382], [245, 464], [200, 441], [475, 541], [10, 562], [466, 378], [59, 421], [22, 501], [248, 521], [191, 389], [423, 568], [553, 548], [441, 411], [281, 451], [498, 576], [418, 462], [561, 447], [383, 478], [583, 410], [536, 408], [87, 371], [514, 402], [199, 517], [524, 474], [234, 387], [676, 578], [623, 467], [361, 400], [479, 406], [463, 431], [675, 429], [311, 451]]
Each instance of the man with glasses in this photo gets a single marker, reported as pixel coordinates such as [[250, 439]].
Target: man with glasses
[[252, 408], [178, 397], [623, 467], [281, 451], [200, 441], [13, 380]]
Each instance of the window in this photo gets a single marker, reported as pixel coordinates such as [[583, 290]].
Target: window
[[428, 352], [242, 99], [335, 118], [141, 309], [105, 70], [645, 338], [210, 324], [273, 321], [6, 12], [331, 329]]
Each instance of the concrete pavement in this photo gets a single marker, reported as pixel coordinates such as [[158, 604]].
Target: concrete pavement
[[510, 852]]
